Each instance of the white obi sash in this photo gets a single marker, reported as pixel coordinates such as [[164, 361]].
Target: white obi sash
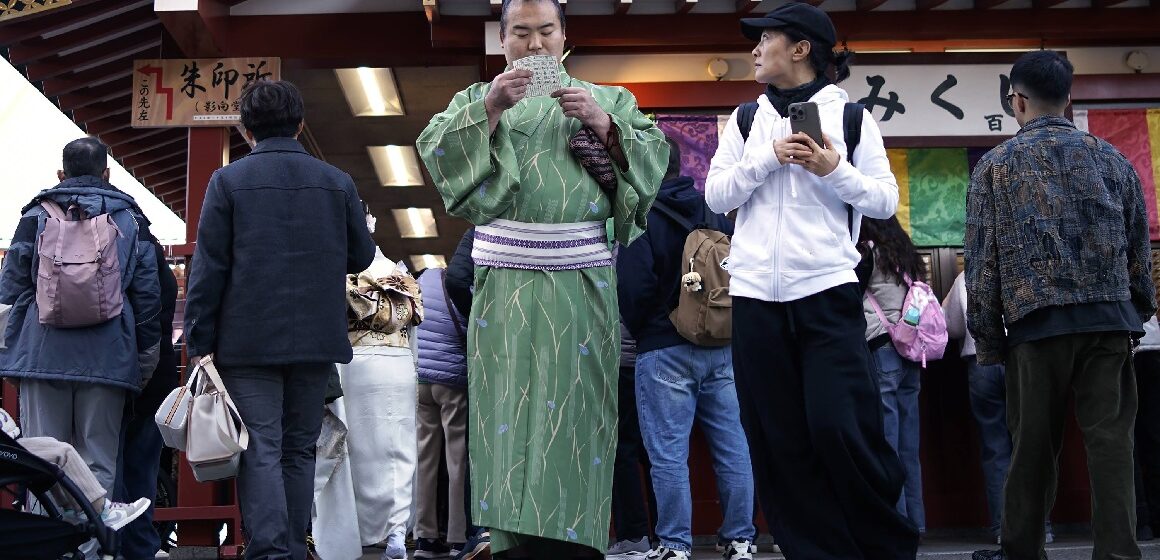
[[547, 247]]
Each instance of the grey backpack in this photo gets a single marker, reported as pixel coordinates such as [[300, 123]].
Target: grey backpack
[[78, 280]]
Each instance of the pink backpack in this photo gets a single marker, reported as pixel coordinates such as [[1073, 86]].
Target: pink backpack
[[921, 332], [78, 283]]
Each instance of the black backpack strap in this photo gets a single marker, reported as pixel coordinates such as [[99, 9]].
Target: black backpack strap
[[852, 128], [745, 114], [852, 134], [673, 215]]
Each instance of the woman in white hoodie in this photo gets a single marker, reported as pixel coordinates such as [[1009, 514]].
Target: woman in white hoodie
[[808, 401]]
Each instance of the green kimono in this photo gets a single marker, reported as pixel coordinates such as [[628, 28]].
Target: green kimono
[[543, 347]]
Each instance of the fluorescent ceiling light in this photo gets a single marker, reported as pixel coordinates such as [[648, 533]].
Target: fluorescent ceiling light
[[885, 51], [396, 166], [420, 262], [371, 92], [415, 223], [994, 50]]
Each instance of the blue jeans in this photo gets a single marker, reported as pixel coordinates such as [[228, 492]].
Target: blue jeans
[[988, 385], [674, 385], [137, 478], [898, 386]]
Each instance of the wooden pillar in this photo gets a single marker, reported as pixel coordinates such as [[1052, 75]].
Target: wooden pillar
[[202, 507]]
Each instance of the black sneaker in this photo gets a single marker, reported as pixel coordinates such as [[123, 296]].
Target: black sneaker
[[988, 555], [476, 548], [431, 548]]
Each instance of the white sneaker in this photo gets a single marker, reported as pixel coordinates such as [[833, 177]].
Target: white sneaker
[[117, 515], [666, 553], [396, 547], [724, 544], [738, 550], [628, 550]]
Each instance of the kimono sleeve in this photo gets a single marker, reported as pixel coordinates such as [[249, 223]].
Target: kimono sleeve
[[647, 154], [475, 172]]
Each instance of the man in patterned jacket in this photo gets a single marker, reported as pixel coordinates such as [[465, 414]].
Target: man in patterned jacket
[[1059, 286]]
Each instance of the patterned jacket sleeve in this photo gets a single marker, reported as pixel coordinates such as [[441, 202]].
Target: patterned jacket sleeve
[[1140, 283], [981, 252]]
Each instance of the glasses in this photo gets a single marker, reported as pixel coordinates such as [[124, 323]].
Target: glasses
[[1012, 95]]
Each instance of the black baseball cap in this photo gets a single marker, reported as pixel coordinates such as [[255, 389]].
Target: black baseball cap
[[811, 22]]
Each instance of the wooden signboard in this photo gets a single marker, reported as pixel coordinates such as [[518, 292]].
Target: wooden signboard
[[195, 92]]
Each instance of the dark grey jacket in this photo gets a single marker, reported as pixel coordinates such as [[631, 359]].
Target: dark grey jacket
[[279, 231], [118, 352], [1055, 216]]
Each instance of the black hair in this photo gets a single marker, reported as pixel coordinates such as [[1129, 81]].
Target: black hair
[[272, 109], [894, 252], [674, 168], [1045, 76], [823, 57], [503, 13], [85, 156]]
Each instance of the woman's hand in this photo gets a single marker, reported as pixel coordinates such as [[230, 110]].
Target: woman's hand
[[802, 150]]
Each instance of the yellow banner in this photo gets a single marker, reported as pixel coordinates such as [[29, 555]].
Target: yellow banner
[[195, 92]]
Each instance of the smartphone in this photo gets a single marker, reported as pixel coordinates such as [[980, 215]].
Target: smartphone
[[803, 117]]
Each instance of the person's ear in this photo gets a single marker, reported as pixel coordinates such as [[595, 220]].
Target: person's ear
[[105, 175], [60, 176], [801, 51]]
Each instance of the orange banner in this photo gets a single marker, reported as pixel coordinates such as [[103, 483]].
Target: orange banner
[[195, 92]]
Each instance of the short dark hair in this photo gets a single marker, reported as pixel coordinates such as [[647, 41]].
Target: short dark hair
[[85, 156], [674, 168], [272, 109], [1045, 76], [503, 13]]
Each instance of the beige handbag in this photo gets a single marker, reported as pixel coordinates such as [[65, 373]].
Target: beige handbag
[[173, 415], [215, 435]]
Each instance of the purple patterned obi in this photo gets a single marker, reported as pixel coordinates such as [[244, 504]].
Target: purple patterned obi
[[508, 244]]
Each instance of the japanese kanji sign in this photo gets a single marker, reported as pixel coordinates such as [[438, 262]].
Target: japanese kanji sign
[[935, 100], [194, 92]]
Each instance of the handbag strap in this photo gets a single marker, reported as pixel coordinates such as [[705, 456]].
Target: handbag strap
[[206, 364], [454, 313]]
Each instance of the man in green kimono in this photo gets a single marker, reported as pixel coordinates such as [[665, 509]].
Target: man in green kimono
[[544, 338]]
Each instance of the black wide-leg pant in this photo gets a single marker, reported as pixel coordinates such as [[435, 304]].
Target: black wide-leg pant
[[811, 411]]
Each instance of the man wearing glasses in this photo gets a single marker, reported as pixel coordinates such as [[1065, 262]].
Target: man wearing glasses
[[1058, 274]]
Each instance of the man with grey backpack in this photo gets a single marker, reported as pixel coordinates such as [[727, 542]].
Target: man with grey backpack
[[671, 296], [84, 331]]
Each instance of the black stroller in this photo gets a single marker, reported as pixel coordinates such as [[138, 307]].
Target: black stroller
[[31, 536]]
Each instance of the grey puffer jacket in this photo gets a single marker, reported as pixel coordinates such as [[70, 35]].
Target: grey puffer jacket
[[121, 352], [442, 344]]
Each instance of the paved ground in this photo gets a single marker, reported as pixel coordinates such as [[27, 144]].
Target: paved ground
[[1074, 548]]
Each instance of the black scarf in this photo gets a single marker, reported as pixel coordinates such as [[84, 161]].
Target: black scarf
[[781, 99]]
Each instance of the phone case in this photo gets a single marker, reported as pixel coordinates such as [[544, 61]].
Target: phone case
[[803, 117]]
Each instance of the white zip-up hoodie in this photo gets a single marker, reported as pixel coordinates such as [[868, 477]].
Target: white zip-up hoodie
[[792, 239]]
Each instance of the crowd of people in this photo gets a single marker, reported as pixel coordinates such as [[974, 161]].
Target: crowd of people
[[507, 406]]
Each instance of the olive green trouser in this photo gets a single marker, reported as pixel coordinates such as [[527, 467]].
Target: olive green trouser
[[1097, 368]]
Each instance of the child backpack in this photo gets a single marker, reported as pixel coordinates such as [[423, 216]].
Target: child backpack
[[79, 270], [704, 313], [921, 331]]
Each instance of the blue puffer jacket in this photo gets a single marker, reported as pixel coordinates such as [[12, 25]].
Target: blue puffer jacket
[[115, 352], [442, 349]]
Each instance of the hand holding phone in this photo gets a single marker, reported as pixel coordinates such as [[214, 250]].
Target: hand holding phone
[[808, 146], [803, 117]]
